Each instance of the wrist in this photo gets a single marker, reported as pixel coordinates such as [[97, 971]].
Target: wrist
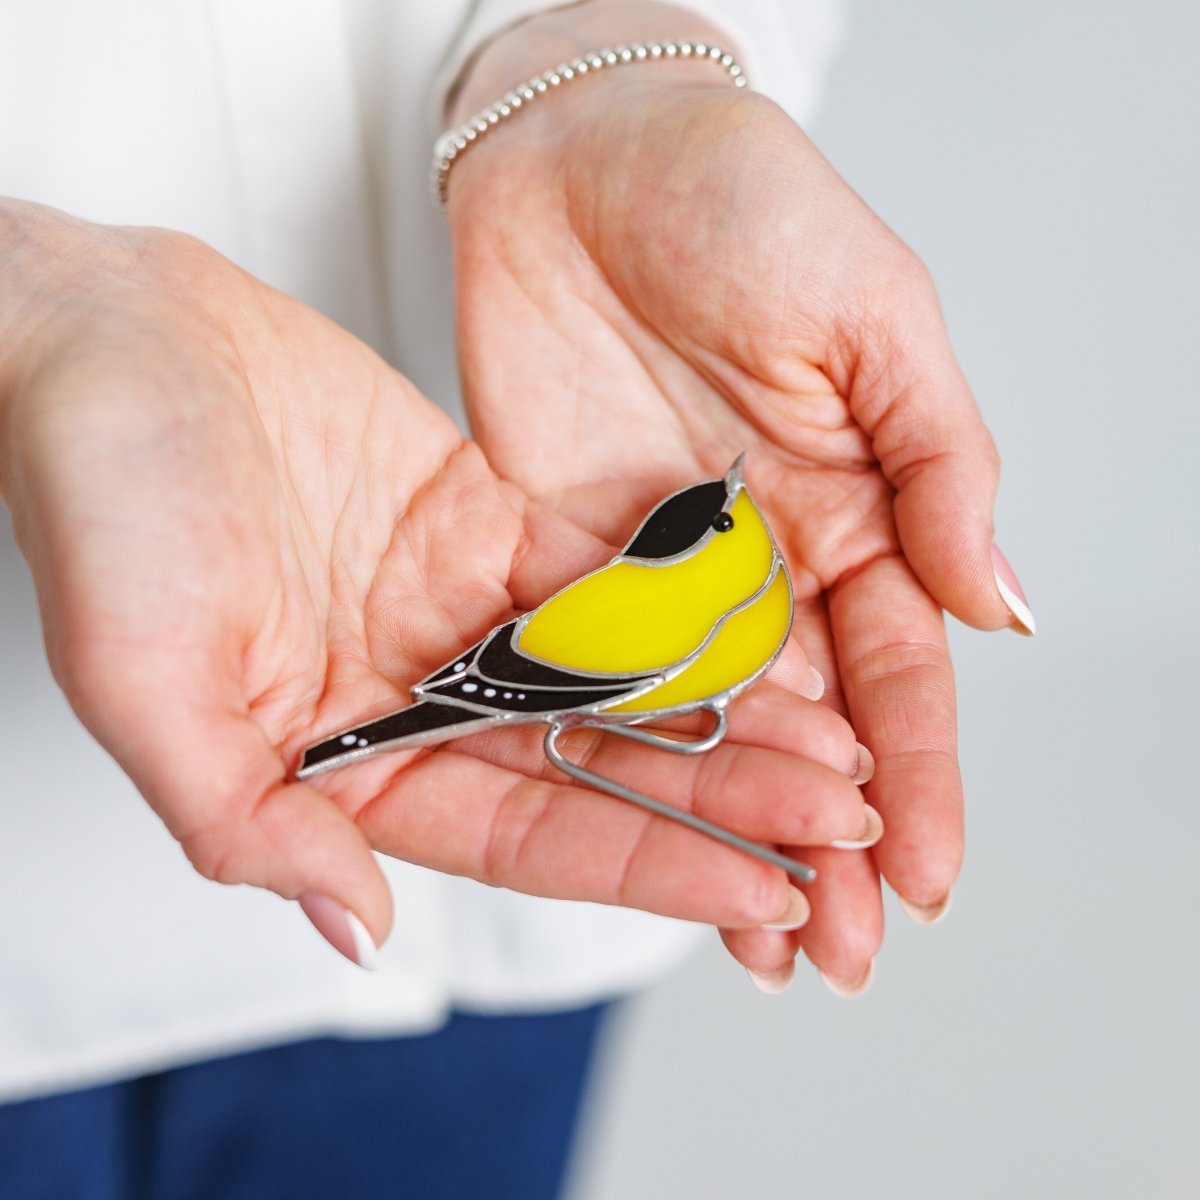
[[559, 35]]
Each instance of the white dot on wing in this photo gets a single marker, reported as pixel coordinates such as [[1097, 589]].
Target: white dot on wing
[[470, 687], [489, 692], [348, 739], [462, 666]]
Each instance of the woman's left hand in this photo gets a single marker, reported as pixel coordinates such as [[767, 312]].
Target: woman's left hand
[[656, 271]]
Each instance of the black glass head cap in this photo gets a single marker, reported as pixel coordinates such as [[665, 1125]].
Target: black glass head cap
[[679, 522]]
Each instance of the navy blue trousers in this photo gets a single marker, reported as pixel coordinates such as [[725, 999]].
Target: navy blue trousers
[[485, 1108]]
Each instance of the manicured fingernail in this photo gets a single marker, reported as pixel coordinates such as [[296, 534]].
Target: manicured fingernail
[[927, 914], [866, 764], [849, 988], [1012, 594], [772, 982], [816, 685], [795, 915], [341, 929], [872, 832]]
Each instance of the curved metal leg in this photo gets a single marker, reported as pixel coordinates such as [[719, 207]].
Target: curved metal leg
[[662, 742], [800, 870]]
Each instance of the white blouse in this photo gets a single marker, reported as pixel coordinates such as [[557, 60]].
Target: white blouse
[[294, 136]]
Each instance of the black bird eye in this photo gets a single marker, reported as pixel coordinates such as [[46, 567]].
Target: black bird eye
[[722, 522]]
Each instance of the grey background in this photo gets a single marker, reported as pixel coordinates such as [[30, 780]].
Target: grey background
[[1041, 1041]]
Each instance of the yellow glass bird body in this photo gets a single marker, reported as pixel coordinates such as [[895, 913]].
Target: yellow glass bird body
[[705, 621]]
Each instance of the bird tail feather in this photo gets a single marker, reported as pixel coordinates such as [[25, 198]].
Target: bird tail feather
[[419, 724]]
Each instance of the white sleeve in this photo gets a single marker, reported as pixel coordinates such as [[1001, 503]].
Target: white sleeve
[[786, 45]]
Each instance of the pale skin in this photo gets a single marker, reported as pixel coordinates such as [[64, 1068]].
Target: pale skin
[[244, 525], [247, 530]]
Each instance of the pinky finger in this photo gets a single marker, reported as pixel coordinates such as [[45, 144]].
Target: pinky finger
[[846, 929]]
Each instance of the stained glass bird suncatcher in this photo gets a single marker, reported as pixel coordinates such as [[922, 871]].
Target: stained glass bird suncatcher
[[687, 617]]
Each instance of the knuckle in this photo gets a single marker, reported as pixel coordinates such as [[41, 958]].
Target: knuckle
[[79, 666], [833, 745], [989, 456], [230, 847], [176, 262], [913, 277], [209, 850], [759, 897], [513, 829], [170, 247], [830, 799], [715, 775], [627, 889], [913, 661]]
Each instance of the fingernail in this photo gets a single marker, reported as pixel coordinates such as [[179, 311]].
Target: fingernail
[[872, 832], [848, 989], [866, 764], [927, 914], [816, 685], [1012, 594], [795, 915], [341, 929], [772, 982]]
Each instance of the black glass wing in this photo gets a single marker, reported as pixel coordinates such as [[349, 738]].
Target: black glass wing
[[500, 663]]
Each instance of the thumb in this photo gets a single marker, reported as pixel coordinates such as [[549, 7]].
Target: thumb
[[937, 453], [209, 770]]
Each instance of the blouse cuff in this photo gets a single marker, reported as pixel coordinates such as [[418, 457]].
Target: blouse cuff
[[784, 46]]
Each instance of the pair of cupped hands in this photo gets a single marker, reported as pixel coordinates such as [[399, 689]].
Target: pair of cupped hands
[[247, 530]]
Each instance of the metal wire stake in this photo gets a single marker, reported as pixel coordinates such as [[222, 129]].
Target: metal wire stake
[[799, 870]]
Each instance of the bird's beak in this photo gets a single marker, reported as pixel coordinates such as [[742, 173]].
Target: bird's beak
[[733, 477]]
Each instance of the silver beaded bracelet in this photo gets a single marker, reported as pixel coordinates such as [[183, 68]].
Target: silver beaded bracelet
[[454, 143]]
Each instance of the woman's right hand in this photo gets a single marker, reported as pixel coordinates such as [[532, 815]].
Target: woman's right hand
[[246, 530]]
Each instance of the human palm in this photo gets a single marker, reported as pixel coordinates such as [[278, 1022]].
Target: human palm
[[666, 272], [246, 530]]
